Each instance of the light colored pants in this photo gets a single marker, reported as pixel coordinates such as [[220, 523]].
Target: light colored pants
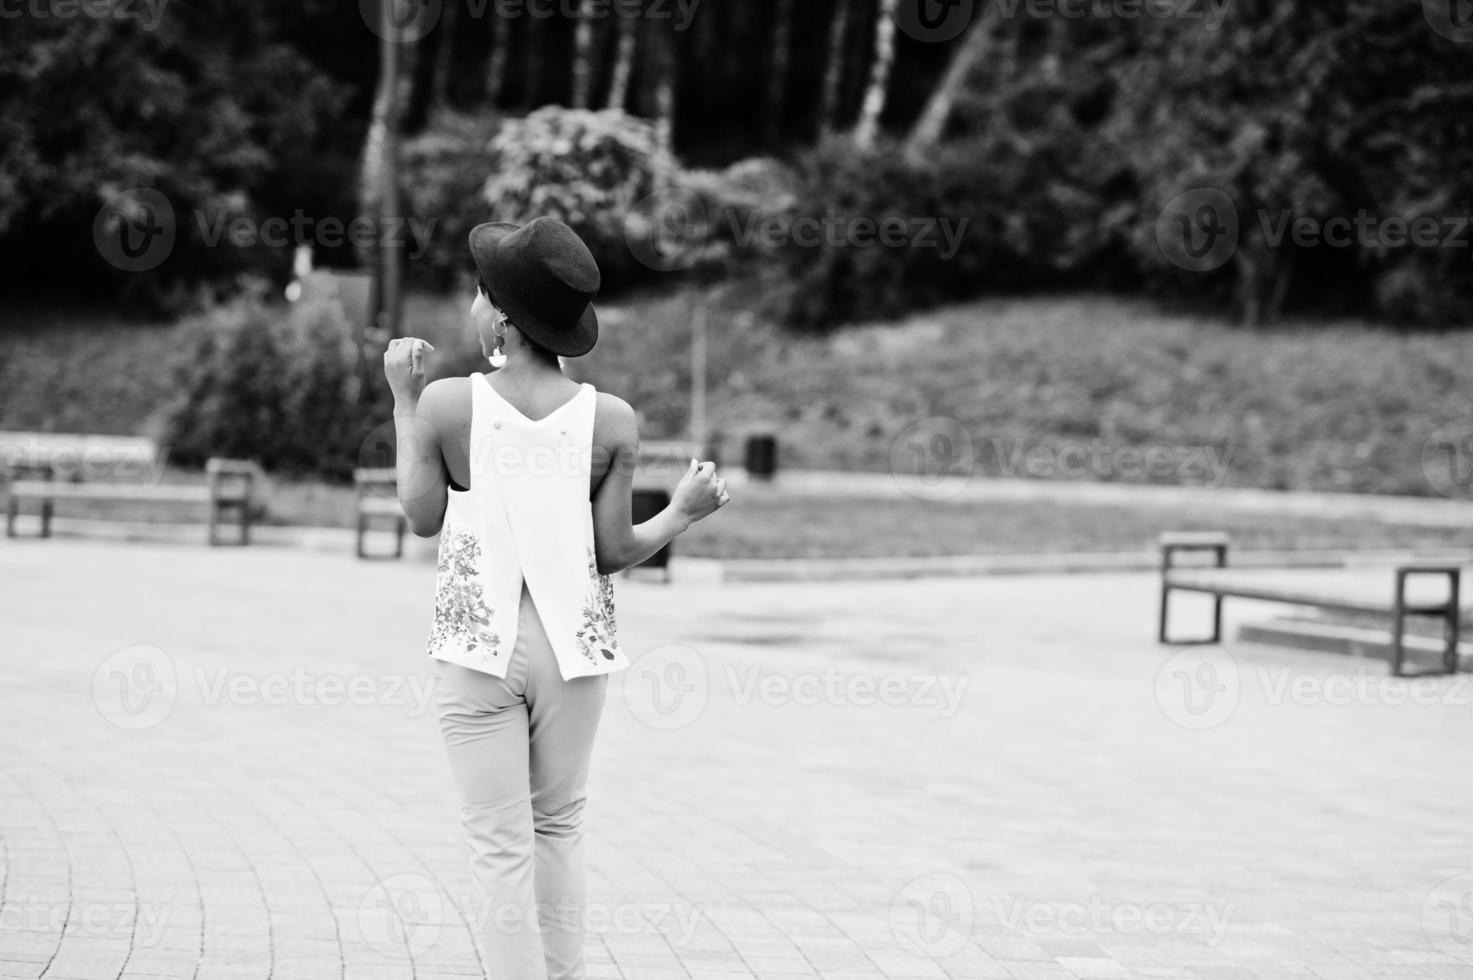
[[519, 749]]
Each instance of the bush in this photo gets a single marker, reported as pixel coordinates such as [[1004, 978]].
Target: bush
[[587, 168], [728, 205], [278, 386], [444, 178], [1010, 230]]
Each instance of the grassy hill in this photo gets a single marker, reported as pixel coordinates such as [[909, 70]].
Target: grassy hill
[[1305, 406]]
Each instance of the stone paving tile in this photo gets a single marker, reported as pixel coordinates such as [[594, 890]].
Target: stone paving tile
[[223, 764]]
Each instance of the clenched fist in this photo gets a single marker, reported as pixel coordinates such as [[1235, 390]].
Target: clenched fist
[[404, 366], [700, 492]]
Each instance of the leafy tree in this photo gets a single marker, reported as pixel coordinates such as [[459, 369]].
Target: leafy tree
[[220, 122]]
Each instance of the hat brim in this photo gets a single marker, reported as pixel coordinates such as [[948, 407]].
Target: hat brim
[[484, 242]]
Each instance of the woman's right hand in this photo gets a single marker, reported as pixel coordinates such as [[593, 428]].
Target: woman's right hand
[[700, 492]]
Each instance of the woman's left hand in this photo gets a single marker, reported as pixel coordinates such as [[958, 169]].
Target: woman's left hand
[[404, 366]]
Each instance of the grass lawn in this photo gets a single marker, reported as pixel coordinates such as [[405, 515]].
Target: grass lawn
[[1340, 407], [764, 523]]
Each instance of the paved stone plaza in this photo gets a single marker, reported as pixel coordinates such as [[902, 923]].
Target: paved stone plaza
[[223, 764]]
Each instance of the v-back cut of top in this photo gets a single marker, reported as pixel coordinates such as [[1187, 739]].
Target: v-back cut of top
[[507, 402], [456, 487]]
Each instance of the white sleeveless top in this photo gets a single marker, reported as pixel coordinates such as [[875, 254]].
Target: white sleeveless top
[[526, 517]]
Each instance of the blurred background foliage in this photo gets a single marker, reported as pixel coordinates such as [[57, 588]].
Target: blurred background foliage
[[1057, 140]]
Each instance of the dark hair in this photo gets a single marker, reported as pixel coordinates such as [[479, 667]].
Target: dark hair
[[535, 348]]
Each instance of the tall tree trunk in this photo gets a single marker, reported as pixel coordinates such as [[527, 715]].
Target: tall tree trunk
[[444, 58], [777, 76], [583, 57], [663, 76], [623, 63], [928, 129], [833, 74], [878, 93], [500, 54], [379, 188], [534, 41]]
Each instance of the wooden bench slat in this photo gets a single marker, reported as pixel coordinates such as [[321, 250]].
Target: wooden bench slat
[[1186, 582], [1195, 539], [380, 507], [46, 489], [1319, 587]]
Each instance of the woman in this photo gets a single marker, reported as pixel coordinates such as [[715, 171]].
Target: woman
[[503, 466]]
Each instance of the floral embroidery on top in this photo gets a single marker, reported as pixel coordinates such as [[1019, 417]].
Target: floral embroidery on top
[[461, 614], [596, 638]]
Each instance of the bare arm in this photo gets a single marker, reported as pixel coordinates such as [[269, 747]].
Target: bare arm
[[618, 543], [423, 481]]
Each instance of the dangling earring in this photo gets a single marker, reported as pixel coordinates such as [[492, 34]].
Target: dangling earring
[[498, 353]]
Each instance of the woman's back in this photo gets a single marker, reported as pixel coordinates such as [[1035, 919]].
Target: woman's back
[[447, 406], [523, 516]]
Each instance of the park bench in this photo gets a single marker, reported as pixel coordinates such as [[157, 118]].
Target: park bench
[[1404, 595], [48, 467], [378, 500]]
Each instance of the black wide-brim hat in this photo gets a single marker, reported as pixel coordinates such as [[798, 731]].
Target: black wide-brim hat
[[544, 279]]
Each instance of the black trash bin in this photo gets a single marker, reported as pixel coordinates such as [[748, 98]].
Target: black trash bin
[[647, 504], [762, 456]]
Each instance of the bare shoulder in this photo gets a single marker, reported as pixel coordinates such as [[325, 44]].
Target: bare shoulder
[[446, 403], [614, 422]]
